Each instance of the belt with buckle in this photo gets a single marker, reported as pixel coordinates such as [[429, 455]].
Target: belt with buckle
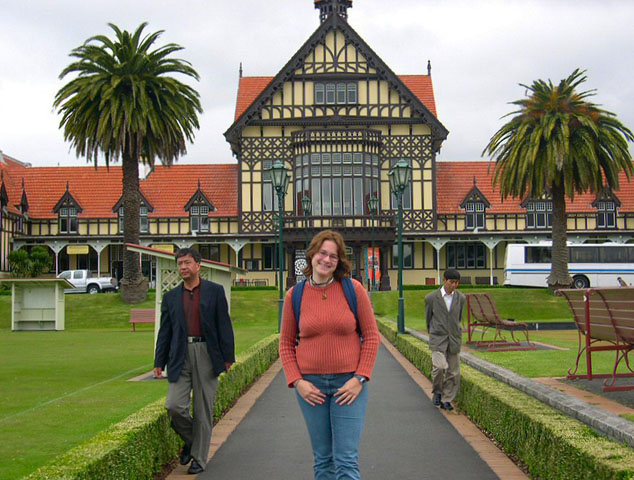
[[195, 339]]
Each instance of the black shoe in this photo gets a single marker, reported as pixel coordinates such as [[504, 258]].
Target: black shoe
[[446, 406], [436, 400], [186, 455], [195, 468]]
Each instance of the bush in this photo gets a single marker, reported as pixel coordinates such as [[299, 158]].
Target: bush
[[550, 443], [139, 446]]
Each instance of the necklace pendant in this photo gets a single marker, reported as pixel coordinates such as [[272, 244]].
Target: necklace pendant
[[324, 296]]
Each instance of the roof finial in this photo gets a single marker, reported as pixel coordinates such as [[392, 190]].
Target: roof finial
[[67, 185], [428, 67], [22, 183], [240, 69], [474, 181], [328, 7], [199, 184]]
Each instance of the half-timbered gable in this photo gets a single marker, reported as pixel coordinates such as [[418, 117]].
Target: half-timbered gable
[[339, 118]]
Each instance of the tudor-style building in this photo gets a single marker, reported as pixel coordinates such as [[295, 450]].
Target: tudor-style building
[[338, 118]]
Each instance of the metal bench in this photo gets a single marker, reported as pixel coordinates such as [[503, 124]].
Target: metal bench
[[605, 322], [141, 315], [483, 314]]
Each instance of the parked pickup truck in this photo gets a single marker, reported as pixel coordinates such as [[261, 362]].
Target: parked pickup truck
[[85, 282]]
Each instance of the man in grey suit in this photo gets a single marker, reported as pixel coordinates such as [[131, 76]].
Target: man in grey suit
[[195, 341], [443, 313]]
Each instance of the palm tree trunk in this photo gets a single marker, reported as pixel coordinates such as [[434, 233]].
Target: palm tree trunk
[[559, 277], [133, 284]]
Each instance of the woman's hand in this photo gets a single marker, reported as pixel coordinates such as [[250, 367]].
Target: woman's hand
[[349, 392], [309, 392]]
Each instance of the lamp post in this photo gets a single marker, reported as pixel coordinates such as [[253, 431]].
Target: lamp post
[[280, 179], [373, 204], [399, 179], [307, 206]]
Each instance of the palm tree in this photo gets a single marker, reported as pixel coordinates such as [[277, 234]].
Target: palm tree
[[561, 144], [123, 104]]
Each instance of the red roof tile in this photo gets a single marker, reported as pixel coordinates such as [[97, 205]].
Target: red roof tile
[[455, 180], [250, 88]]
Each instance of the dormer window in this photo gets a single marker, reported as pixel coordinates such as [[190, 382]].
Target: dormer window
[[336, 93], [199, 218], [68, 220], [474, 217], [539, 214], [144, 219], [606, 214]]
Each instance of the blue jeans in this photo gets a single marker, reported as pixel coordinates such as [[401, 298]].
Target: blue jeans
[[335, 430]]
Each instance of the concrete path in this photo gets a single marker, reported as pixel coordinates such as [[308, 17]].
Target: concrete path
[[405, 436]]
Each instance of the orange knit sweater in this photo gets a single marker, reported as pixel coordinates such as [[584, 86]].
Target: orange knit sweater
[[328, 338]]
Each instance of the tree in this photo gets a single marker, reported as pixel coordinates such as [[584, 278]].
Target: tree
[[124, 104], [24, 264], [561, 144]]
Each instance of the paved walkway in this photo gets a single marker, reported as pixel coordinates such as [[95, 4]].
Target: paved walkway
[[404, 437]]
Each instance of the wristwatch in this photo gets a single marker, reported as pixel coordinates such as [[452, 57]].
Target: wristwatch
[[361, 379]]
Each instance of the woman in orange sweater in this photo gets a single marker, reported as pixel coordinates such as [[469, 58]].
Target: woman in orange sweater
[[331, 364]]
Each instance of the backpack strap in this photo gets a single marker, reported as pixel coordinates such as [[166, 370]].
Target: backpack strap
[[351, 297], [348, 290]]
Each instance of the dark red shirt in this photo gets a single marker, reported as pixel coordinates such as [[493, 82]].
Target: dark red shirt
[[191, 308]]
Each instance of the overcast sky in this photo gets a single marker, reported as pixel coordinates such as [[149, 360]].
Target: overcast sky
[[480, 51]]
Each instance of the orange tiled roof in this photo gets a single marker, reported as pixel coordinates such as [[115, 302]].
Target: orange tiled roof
[[455, 180], [250, 88], [97, 191]]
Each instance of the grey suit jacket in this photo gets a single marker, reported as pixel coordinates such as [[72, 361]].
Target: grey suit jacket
[[443, 326]]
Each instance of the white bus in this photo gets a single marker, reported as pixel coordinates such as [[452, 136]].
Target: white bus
[[590, 265]]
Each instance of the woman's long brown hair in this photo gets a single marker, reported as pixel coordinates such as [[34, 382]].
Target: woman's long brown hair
[[343, 265]]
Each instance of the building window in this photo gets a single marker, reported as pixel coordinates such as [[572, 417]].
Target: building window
[[199, 218], [407, 193], [408, 255], [68, 220], [474, 217], [268, 257], [267, 187], [466, 255], [606, 215], [339, 93], [252, 265], [337, 184], [144, 220], [539, 214]]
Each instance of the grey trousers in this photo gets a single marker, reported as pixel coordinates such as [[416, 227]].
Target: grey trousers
[[445, 374], [197, 377]]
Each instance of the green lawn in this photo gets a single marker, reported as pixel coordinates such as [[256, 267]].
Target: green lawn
[[522, 304], [58, 389]]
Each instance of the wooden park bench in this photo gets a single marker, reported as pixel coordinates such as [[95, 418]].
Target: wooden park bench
[[141, 315], [483, 314], [605, 321]]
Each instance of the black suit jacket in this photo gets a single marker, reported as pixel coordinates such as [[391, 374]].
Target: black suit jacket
[[171, 342]]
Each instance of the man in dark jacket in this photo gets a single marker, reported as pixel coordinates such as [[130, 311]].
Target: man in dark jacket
[[195, 341], [443, 313]]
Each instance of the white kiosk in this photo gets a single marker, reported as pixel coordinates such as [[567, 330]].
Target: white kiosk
[[37, 303]]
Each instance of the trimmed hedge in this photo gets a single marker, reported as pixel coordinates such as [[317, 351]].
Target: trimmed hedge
[[139, 446], [551, 444]]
